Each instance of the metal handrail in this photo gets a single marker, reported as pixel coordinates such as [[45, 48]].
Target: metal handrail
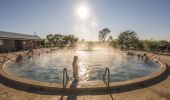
[[107, 70], [10, 53], [65, 75], [4, 55]]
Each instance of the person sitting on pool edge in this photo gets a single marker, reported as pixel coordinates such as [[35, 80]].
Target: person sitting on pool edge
[[75, 68], [19, 58]]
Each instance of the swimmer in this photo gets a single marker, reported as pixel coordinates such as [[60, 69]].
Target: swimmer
[[138, 55], [75, 68], [29, 56], [19, 58], [146, 58]]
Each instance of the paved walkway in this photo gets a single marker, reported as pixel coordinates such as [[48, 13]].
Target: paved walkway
[[160, 91]]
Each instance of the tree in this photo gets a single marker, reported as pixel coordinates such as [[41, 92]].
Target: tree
[[57, 40], [110, 38], [82, 40], [49, 39], [70, 40], [110, 41], [103, 34], [128, 39], [100, 36], [163, 45], [151, 45], [115, 43], [140, 45]]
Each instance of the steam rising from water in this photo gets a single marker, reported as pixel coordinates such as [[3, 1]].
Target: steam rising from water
[[49, 67]]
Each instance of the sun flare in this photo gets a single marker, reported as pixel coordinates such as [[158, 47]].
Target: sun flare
[[83, 12]]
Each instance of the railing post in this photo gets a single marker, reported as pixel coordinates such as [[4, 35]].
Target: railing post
[[65, 75], [108, 80], [108, 77], [63, 79]]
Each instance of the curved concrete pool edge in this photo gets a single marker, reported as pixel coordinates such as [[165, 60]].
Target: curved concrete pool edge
[[82, 86]]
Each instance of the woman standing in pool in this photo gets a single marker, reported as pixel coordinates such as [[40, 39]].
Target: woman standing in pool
[[75, 68]]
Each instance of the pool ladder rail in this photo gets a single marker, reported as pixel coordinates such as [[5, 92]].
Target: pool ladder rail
[[4, 55], [107, 72], [65, 78]]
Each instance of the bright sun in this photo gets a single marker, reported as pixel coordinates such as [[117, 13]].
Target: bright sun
[[82, 12]]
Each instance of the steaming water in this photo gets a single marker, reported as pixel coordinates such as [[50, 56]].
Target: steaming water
[[49, 67]]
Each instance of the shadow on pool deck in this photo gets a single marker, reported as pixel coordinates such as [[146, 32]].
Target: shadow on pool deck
[[72, 96], [73, 93]]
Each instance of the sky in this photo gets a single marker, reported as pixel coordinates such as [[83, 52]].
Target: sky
[[150, 19]]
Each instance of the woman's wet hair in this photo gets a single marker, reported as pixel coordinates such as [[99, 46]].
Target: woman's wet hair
[[75, 58]]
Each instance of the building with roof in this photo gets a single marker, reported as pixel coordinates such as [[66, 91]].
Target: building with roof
[[10, 41]]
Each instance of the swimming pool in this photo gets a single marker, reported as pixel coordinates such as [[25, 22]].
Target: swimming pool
[[48, 67]]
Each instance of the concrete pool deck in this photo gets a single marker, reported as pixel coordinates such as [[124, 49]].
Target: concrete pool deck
[[158, 91]]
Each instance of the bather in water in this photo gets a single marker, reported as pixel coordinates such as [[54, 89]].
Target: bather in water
[[19, 58], [75, 68]]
